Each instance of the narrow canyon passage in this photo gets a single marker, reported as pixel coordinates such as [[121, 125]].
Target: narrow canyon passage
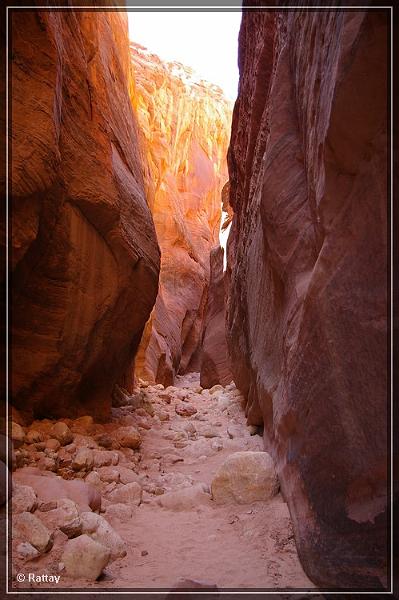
[[198, 351]]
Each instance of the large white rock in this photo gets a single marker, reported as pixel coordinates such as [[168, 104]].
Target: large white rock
[[101, 531], [85, 558], [245, 477]]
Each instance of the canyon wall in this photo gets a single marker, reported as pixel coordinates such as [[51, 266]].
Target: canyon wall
[[84, 253], [185, 124], [307, 275], [215, 364], [215, 361]]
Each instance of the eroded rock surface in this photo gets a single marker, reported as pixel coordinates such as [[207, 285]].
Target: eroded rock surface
[[84, 253], [186, 127], [307, 275], [215, 362]]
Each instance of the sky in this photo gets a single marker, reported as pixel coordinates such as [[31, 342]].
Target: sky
[[205, 41]]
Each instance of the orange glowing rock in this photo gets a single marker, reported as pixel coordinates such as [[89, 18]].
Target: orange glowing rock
[[185, 127]]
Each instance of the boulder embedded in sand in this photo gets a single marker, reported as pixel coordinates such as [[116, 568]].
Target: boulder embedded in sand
[[187, 498], [66, 518], [245, 477], [131, 493], [101, 531], [29, 528], [83, 557]]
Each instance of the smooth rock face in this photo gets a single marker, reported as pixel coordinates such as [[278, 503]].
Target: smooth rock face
[[83, 557], [215, 362], [84, 252], [307, 257], [186, 126], [245, 477], [53, 488]]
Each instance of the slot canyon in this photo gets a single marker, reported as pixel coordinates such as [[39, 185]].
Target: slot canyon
[[198, 382]]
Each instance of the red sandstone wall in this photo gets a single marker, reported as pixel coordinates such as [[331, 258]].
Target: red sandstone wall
[[186, 125], [84, 252], [307, 312]]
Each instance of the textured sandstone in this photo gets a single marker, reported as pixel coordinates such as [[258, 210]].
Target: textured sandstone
[[245, 477], [131, 493], [84, 252], [101, 531], [185, 125], [215, 363], [29, 528], [85, 558], [128, 437], [64, 517], [24, 499], [307, 259]]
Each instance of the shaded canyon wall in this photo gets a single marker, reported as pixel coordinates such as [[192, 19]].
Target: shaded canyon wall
[[307, 275], [185, 125], [215, 361], [84, 252]]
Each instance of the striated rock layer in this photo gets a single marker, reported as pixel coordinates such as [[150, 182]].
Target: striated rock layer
[[185, 125], [307, 312], [84, 252]]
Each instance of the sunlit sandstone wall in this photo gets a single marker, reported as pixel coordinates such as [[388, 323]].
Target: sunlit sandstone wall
[[85, 259], [185, 125], [307, 275]]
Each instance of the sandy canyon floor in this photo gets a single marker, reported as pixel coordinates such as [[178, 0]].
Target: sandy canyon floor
[[177, 531]]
